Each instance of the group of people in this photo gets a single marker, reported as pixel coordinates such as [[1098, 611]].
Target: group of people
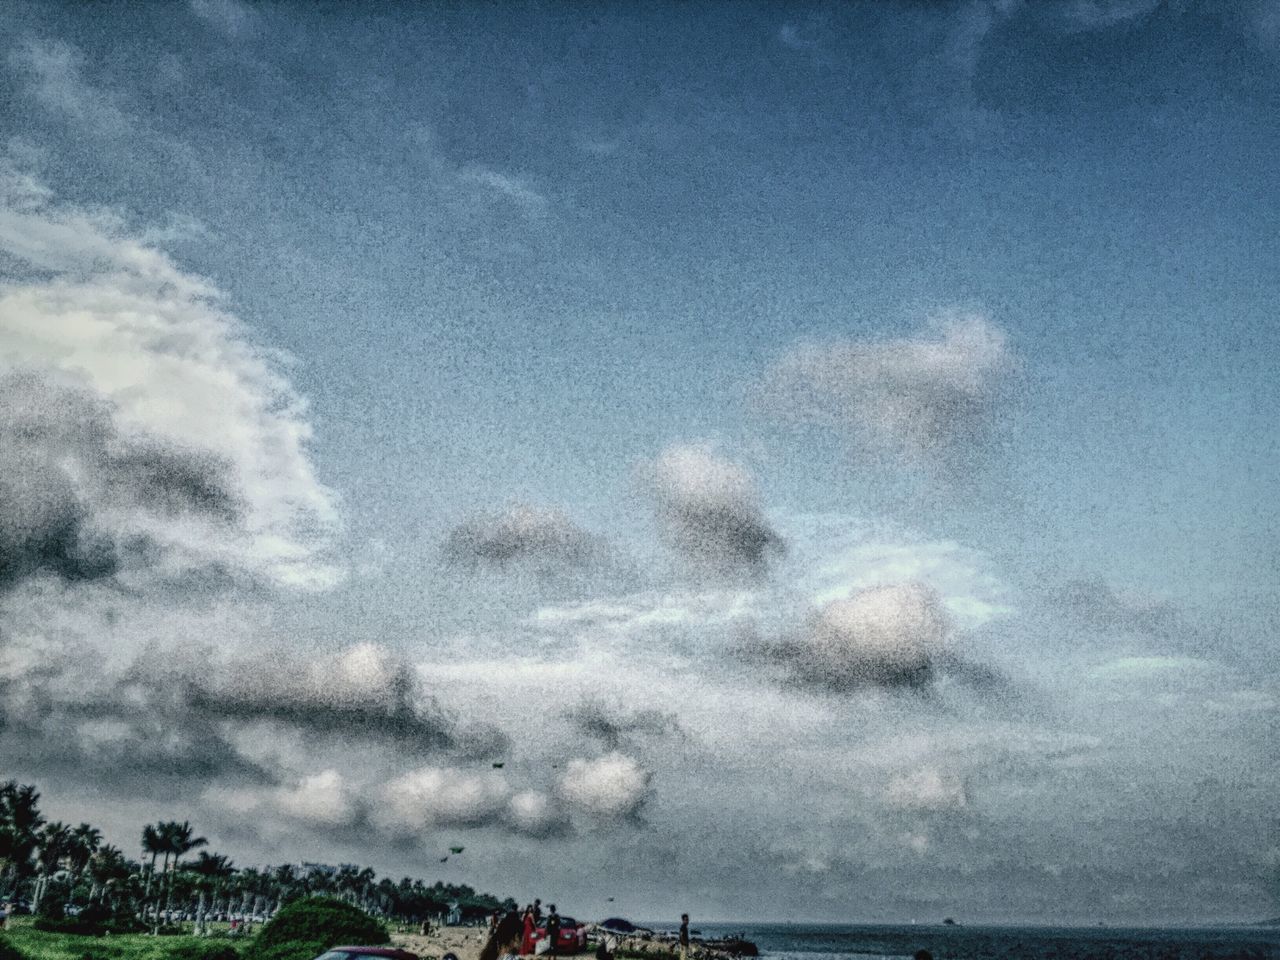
[[515, 935]]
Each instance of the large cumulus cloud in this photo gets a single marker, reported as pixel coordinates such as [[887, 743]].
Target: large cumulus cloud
[[612, 787], [149, 415], [891, 635], [709, 510], [171, 715], [919, 398], [80, 501], [430, 798]]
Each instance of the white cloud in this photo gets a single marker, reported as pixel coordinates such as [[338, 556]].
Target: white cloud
[[103, 313], [1100, 14], [512, 188], [915, 397], [228, 16], [431, 797], [709, 508], [519, 534], [926, 790], [879, 635], [54, 72], [610, 787], [323, 798], [534, 813]]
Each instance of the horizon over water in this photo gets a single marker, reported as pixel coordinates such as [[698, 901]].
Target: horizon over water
[[832, 941]]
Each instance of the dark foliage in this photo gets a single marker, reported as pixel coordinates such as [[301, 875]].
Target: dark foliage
[[311, 925]]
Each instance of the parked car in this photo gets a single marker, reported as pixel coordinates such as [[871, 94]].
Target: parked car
[[573, 936], [366, 953]]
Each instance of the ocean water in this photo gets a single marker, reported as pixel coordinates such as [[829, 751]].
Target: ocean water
[[855, 942]]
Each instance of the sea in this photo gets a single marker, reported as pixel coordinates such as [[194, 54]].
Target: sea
[[963, 942]]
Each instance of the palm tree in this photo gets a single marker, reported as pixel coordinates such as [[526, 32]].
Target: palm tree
[[20, 822], [152, 843], [85, 841], [250, 883], [53, 843], [179, 842], [212, 869], [285, 879], [106, 868]]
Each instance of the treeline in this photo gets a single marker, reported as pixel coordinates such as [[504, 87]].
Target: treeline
[[57, 870]]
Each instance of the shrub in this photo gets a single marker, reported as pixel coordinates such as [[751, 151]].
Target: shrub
[[52, 924], [308, 927], [53, 904], [93, 921]]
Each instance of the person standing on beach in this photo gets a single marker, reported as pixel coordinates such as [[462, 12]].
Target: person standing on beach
[[684, 936], [504, 939], [537, 911], [526, 942], [553, 929]]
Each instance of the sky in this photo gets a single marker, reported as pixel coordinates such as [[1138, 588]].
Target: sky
[[825, 453]]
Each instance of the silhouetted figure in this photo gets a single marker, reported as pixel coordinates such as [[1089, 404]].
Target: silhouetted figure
[[684, 936], [504, 941], [553, 929]]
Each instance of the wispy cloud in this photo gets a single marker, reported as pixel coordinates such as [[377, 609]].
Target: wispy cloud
[[230, 17], [54, 72], [520, 534], [921, 399], [513, 188]]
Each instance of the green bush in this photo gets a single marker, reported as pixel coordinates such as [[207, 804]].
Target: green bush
[[94, 920], [52, 924], [308, 927]]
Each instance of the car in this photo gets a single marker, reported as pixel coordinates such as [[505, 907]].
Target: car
[[573, 936], [366, 953]]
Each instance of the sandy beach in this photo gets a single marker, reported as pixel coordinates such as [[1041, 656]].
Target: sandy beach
[[465, 943]]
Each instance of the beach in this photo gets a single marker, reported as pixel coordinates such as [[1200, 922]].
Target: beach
[[850, 942]]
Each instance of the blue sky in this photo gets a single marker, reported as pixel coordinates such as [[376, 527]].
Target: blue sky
[[567, 260]]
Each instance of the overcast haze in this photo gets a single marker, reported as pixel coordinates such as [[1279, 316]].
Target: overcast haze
[[827, 454]]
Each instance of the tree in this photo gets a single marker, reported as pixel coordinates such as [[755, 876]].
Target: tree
[[85, 841], [152, 843], [178, 842], [106, 869], [53, 843], [212, 871], [20, 822]]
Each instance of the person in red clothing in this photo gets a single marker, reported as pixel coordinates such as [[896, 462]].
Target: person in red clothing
[[526, 943]]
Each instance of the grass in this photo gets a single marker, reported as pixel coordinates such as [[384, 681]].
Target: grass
[[38, 945]]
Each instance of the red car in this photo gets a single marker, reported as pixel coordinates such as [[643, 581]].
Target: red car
[[366, 953], [572, 938]]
